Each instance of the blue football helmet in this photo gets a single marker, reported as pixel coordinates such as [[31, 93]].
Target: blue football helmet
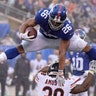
[[53, 69], [80, 33], [57, 16]]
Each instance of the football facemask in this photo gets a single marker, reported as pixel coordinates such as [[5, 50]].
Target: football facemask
[[57, 17]]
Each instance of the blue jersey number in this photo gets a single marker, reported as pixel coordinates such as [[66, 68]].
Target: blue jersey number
[[66, 29], [77, 63], [44, 14]]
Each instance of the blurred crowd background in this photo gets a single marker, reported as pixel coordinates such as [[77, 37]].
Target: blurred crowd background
[[82, 13]]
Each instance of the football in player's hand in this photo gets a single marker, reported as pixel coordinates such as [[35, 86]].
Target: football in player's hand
[[32, 32]]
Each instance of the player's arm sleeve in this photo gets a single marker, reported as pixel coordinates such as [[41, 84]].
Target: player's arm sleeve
[[69, 30], [38, 17], [84, 86]]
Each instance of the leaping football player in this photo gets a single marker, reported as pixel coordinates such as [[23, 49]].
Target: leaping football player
[[56, 30]]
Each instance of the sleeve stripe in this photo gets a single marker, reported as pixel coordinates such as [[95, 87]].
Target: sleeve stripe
[[73, 84]]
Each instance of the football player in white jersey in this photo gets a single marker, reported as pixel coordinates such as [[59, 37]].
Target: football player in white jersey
[[48, 86]]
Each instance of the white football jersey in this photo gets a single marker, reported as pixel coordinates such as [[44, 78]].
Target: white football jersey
[[82, 78], [47, 86]]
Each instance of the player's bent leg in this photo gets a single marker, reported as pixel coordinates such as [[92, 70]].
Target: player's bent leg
[[11, 53], [39, 43], [78, 44], [90, 51]]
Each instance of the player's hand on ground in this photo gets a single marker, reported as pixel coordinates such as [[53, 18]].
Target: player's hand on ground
[[60, 78], [92, 66]]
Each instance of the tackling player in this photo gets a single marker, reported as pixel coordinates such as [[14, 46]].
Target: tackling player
[[56, 30], [79, 63], [47, 84]]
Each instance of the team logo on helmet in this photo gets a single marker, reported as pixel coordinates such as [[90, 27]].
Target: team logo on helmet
[[57, 16]]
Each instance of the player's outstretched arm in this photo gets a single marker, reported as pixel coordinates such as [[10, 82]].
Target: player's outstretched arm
[[87, 82], [84, 87], [64, 45], [11, 53]]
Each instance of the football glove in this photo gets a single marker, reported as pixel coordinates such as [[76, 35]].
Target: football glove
[[60, 78], [24, 36]]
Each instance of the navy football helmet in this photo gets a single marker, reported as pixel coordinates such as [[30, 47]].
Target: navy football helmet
[[57, 16], [80, 33], [53, 69]]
